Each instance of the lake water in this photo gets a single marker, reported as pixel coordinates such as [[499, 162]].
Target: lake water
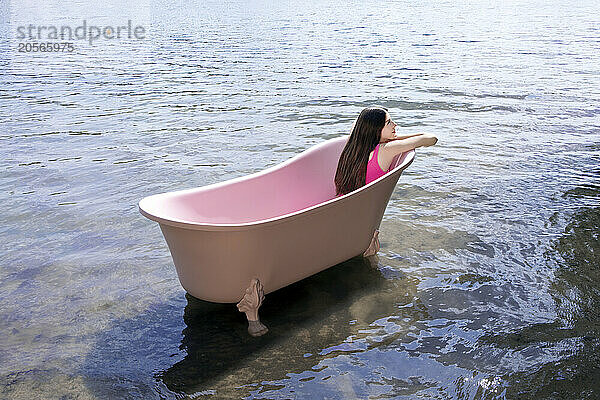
[[487, 285]]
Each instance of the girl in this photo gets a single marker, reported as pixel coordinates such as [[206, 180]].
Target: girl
[[371, 148], [369, 152]]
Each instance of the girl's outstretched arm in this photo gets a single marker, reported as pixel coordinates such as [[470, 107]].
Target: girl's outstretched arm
[[406, 136], [401, 145]]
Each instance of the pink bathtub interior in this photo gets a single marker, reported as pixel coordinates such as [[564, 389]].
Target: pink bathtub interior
[[299, 183]]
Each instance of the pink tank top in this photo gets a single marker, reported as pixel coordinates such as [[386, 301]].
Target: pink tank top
[[374, 171]]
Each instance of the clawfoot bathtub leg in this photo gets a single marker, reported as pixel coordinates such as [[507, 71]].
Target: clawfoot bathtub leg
[[249, 304], [374, 246]]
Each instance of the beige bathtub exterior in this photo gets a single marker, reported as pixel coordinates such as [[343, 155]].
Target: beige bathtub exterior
[[217, 261]]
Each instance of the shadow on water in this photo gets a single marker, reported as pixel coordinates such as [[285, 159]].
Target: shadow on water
[[303, 319], [575, 333], [216, 350]]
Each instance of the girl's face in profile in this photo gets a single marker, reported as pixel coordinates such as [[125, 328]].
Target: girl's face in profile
[[389, 129]]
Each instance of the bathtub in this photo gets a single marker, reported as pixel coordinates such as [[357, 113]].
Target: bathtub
[[235, 241]]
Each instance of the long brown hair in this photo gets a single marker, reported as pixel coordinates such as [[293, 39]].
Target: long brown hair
[[351, 171]]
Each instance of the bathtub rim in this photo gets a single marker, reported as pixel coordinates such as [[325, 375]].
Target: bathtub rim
[[408, 159]]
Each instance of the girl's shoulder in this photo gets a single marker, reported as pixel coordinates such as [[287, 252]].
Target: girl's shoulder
[[384, 159]]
